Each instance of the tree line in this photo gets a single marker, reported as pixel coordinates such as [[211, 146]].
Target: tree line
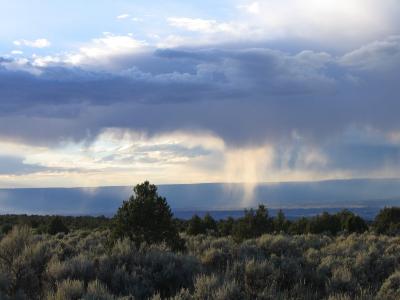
[[146, 216], [257, 222]]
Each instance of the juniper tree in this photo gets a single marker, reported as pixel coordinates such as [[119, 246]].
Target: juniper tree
[[146, 217]]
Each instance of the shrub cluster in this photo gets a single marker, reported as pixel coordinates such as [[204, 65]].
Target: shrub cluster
[[82, 265], [48, 224]]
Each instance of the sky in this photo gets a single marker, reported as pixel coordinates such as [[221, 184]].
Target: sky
[[102, 93]]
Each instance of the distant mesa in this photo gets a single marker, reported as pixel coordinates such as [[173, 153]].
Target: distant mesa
[[357, 194]]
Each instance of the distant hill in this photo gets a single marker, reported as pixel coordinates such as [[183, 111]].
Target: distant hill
[[209, 196]]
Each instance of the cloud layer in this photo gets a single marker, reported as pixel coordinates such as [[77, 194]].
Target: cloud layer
[[244, 95], [295, 99]]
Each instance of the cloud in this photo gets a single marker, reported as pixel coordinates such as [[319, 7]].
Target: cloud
[[104, 48], [123, 16], [16, 166], [39, 43], [119, 156], [252, 8], [272, 93], [200, 25], [376, 56], [17, 52], [113, 156], [114, 104], [106, 52], [269, 90], [338, 24]]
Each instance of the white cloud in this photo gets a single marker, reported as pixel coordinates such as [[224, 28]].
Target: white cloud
[[123, 16], [17, 52], [101, 49], [116, 157], [99, 52], [39, 43], [200, 25], [44, 61], [252, 8], [172, 41], [336, 23]]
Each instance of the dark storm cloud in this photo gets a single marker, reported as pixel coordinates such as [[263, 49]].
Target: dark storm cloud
[[365, 157], [341, 153], [379, 55], [244, 96], [4, 60]]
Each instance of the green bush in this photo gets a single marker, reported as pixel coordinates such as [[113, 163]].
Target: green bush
[[253, 224], [6, 228], [96, 290], [195, 226], [56, 225], [390, 289], [388, 221], [146, 217], [68, 290]]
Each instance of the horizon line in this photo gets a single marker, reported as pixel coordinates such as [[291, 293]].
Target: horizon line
[[205, 183]]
